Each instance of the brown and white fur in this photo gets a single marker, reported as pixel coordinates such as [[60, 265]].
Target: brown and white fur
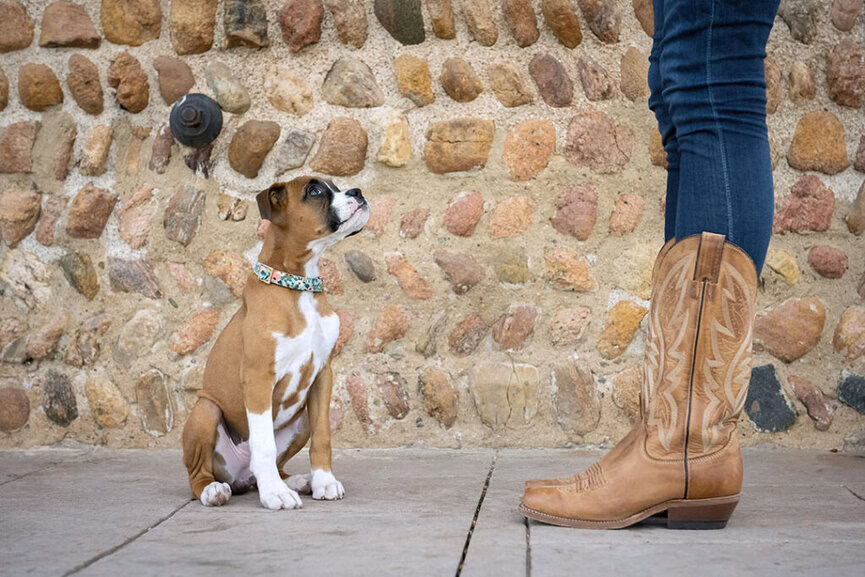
[[268, 380]]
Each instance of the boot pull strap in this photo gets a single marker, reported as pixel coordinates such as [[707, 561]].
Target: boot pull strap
[[709, 256]]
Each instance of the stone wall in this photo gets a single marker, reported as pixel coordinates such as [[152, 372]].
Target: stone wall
[[497, 297]]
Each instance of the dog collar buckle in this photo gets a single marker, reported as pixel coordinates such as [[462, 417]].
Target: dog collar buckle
[[264, 273]]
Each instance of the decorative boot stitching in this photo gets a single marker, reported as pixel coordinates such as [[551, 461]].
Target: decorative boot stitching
[[590, 479], [727, 369], [661, 402]]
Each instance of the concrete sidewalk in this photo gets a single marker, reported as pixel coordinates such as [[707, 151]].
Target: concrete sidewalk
[[409, 512]]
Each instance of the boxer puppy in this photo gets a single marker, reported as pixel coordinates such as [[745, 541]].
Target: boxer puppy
[[267, 382]]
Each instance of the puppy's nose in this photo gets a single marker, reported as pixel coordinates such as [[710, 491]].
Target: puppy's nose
[[355, 192]]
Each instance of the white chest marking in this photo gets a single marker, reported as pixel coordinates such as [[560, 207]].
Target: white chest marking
[[314, 343]]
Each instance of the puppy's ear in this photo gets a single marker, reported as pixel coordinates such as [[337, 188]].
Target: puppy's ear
[[267, 199]]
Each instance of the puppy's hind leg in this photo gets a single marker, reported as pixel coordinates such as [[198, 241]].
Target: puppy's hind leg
[[199, 440]]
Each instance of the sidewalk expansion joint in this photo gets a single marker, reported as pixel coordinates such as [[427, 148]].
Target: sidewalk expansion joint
[[74, 459], [132, 539], [27, 474], [477, 513], [854, 493], [528, 546]]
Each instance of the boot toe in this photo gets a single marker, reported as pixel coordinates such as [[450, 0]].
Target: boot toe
[[543, 499]]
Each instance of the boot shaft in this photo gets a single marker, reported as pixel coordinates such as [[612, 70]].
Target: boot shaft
[[698, 351]]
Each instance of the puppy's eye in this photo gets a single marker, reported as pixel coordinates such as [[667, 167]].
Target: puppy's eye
[[314, 188]]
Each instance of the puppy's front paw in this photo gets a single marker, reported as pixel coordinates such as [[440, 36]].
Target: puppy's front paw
[[279, 496], [325, 486], [215, 494]]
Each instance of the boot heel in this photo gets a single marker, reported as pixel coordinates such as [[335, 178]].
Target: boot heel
[[701, 513]]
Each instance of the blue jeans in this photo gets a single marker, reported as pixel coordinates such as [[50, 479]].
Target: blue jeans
[[708, 92]]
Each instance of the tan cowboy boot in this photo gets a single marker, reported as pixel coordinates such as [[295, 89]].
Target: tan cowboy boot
[[682, 460]]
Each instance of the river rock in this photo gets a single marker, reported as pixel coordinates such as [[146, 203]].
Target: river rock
[[19, 212], [245, 24], [175, 78], [507, 83], [402, 19], [288, 92], [192, 25], [66, 24], [16, 146], [227, 89], [38, 87], [84, 84], [520, 18], [250, 145], [459, 80], [342, 150], [480, 21], [131, 22], [16, 27], [89, 212], [349, 19], [300, 21], [458, 145], [351, 83], [132, 90], [562, 19]]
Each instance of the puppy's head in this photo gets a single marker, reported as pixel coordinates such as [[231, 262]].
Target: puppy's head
[[311, 209]]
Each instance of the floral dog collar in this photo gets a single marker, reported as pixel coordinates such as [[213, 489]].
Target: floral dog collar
[[268, 275]]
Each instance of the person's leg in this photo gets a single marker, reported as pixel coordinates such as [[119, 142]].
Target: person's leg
[[711, 66], [683, 457], [665, 122]]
